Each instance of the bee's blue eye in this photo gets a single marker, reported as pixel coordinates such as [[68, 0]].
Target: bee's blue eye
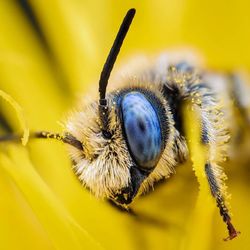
[[142, 129]]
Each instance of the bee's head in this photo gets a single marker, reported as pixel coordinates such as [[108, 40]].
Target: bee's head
[[115, 163]]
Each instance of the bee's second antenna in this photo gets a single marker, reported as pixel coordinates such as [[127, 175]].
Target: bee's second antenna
[[65, 138]]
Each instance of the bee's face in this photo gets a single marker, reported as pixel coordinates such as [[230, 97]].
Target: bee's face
[[116, 167]]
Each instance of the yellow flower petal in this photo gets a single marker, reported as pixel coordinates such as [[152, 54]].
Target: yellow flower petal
[[20, 115], [61, 228]]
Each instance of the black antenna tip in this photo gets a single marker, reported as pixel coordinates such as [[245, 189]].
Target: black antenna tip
[[131, 11]]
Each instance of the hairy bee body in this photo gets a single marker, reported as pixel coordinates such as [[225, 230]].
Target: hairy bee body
[[108, 168]]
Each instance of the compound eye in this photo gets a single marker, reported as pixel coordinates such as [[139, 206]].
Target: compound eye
[[142, 129]]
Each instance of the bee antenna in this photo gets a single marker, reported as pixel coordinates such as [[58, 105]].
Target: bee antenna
[[110, 61], [108, 66], [65, 138]]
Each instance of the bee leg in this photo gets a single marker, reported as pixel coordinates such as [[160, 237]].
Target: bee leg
[[185, 86], [217, 194], [214, 173], [215, 137]]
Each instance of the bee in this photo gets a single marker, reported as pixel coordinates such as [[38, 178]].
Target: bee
[[132, 137]]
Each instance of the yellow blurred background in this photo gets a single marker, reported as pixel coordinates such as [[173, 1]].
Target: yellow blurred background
[[53, 50]]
